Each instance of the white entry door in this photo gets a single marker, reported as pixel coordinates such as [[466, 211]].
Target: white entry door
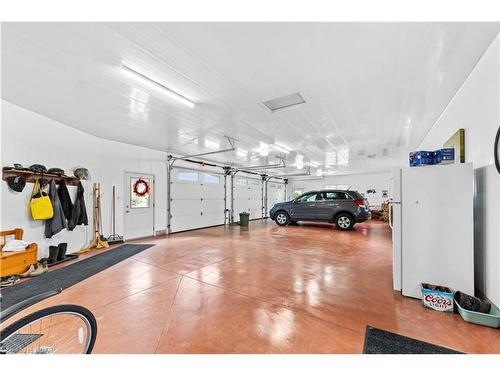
[[139, 205]]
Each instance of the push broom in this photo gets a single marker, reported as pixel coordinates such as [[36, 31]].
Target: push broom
[[114, 238]]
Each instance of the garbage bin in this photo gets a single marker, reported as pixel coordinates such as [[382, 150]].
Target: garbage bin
[[244, 218]]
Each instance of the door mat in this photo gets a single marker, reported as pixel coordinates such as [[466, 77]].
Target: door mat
[[69, 275], [378, 341]]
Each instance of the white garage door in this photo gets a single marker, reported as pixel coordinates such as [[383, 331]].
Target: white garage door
[[247, 197], [197, 199], [275, 194]]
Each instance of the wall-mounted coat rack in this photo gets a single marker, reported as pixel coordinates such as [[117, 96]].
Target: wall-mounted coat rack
[[31, 176]]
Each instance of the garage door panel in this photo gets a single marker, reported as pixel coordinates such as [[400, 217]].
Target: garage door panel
[[212, 219], [212, 191], [212, 205], [198, 203], [248, 198], [185, 191], [186, 222], [185, 207]]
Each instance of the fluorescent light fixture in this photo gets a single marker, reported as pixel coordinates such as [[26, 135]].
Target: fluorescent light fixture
[[212, 144], [151, 83], [263, 149], [343, 156], [241, 153], [280, 148], [314, 164], [299, 161]]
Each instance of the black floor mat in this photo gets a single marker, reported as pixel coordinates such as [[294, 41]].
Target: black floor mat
[[378, 341], [18, 342], [69, 275]]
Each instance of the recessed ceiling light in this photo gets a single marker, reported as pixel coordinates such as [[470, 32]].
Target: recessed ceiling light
[[242, 153], [213, 144], [263, 149], [126, 70], [284, 102], [299, 161], [281, 148]]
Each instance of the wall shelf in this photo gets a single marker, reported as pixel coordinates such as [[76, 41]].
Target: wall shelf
[[32, 176]]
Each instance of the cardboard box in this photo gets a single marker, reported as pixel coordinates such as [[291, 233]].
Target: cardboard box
[[436, 297]]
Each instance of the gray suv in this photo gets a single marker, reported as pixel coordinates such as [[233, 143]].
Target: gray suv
[[342, 207]]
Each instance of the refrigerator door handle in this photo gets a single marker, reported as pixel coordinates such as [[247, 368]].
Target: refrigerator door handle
[[390, 216]]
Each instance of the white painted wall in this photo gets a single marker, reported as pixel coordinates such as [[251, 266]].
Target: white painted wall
[[359, 182], [476, 107], [29, 138]]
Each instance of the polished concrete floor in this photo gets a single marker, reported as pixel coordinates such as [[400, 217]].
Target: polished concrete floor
[[267, 289]]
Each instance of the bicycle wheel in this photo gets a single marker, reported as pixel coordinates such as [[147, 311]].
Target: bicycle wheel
[[62, 329]]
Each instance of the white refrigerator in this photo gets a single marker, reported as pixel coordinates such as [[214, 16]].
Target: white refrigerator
[[431, 216]]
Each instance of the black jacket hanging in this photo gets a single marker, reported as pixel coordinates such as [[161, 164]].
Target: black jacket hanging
[[67, 205], [79, 213], [57, 222]]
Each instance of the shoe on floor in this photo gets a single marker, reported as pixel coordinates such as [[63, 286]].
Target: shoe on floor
[[28, 272], [40, 269], [9, 280]]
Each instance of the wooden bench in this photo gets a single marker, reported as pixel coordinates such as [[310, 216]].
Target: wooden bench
[[16, 262]]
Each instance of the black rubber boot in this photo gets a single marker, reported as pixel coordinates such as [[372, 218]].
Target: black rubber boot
[[62, 250], [53, 253]]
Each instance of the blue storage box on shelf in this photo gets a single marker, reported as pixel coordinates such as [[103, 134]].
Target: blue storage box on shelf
[[445, 156], [441, 156], [418, 158]]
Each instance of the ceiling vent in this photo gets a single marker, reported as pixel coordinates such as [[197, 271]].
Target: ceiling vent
[[284, 102]]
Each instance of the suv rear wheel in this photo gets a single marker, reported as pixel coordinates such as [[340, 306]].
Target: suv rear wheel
[[282, 218], [344, 222]]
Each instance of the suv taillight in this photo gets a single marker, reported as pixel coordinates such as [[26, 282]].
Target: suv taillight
[[360, 202]]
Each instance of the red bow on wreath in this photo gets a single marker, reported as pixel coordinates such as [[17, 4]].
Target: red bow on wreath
[[141, 187]]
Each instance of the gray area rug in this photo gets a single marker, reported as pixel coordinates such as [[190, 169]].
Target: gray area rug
[[67, 276]]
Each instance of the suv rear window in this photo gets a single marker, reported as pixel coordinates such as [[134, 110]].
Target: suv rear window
[[333, 195]]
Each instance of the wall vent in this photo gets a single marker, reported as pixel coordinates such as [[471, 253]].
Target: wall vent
[[284, 102]]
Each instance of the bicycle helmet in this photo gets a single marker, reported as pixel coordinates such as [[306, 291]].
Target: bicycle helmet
[[38, 168], [82, 173], [57, 171]]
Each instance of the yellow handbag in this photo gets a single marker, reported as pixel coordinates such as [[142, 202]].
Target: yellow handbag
[[40, 204]]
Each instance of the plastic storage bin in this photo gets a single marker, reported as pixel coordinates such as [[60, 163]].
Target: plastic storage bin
[[492, 319]]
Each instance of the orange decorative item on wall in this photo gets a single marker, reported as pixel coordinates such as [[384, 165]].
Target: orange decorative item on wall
[[16, 262]]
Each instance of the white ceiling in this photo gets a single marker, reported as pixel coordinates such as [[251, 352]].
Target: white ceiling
[[373, 90]]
